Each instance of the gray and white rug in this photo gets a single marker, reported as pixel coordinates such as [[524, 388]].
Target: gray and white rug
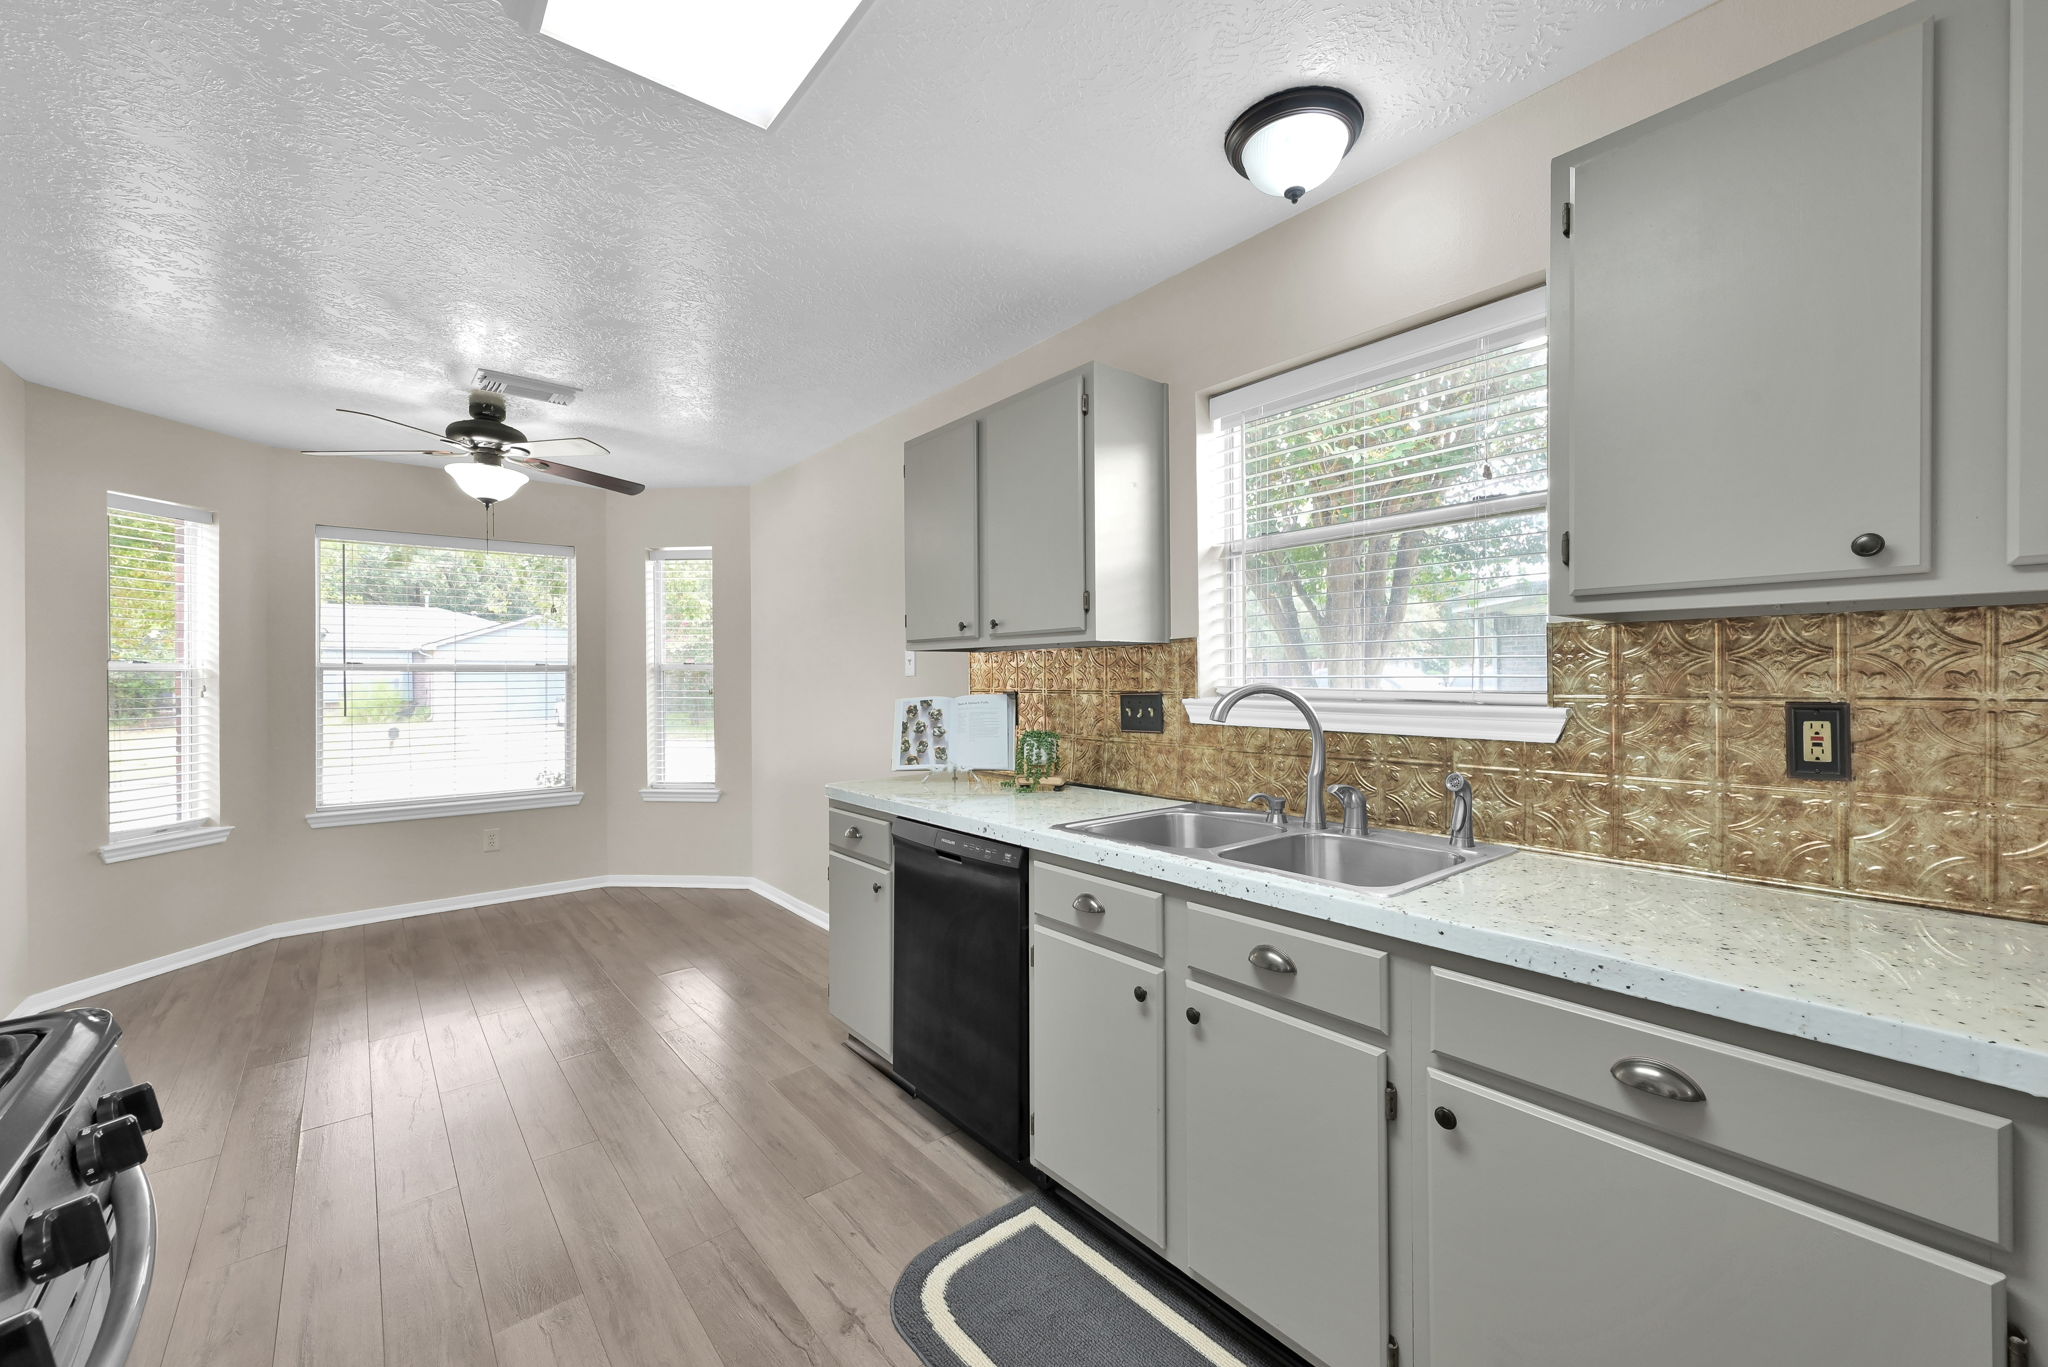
[[1032, 1286]]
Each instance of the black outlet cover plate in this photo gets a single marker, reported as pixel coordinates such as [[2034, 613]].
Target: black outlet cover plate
[[1142, 711], [1797, 714]]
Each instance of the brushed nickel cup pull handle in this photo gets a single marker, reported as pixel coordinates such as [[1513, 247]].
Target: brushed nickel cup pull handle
[[1087, 903], [1270, 959], [853, 833], [1657, 1079]]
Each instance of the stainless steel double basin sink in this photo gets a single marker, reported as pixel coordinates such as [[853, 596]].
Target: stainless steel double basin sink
[[1384, 862]]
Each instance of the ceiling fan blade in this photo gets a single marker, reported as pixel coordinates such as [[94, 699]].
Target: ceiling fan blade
[[393, 421], [560, 471], [401, 452], [568, 446]]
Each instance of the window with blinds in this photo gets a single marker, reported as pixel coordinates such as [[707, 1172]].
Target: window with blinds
[[446, 666], [681, 738], [163, 643], [1379, 524]]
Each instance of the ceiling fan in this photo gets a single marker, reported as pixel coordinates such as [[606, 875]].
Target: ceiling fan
[[492, 452]]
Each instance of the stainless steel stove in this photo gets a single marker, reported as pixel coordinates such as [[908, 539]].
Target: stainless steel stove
[[77, 1223]]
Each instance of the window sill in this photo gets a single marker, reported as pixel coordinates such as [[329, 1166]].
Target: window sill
[[371, 812], [164, 842], [1398, 717], [695, 792]]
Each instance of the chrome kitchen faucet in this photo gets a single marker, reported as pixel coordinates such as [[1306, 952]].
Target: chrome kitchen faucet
[[1318, 759]]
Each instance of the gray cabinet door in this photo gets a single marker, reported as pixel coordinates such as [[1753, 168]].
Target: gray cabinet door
[[1033, 517], [862, 968], [1741, 331], [941, 519], [1555, 1244], [1284, 1129], [1098, 1077], [2027, 377]]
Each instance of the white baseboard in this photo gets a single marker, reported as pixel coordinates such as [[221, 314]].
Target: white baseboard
[[308, 925]]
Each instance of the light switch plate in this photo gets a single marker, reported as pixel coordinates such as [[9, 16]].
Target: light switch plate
[[1142, 711]]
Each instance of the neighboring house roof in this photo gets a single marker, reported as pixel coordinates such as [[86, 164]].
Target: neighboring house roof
[[488, 629], [384, 627]]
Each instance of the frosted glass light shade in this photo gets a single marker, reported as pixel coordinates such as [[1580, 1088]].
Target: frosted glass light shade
[[486, 483], [1297, 152], [1289, 143]]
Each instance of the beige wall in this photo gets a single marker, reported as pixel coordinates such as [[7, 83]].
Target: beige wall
[[678, 837], [13, 685], [90, 917], [1464, 222]]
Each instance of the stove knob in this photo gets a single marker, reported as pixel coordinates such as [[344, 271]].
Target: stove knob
[[23, 1342], [105, 1149], [56, 1240], [138, 1101]]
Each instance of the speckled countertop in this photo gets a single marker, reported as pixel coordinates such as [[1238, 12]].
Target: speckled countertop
[[1961, 994]]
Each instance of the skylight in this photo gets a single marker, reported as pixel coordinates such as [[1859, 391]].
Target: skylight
[[747, 59]]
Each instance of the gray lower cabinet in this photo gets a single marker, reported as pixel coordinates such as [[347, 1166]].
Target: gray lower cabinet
[[862, 966], [1553, 1243], [1283, 1128], [1098, 1077]]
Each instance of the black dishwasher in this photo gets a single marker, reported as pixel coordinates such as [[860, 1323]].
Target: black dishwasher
[[960, 995]]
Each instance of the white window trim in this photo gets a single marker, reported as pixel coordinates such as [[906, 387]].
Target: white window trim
[[1505, 716], [168, 841], [369, 813], [682, 792], [469, 804]]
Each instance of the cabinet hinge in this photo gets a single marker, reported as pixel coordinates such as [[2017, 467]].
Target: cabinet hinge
[[1087, 600], [1393, 1351], [1567, 548], [1393, 1101], [1567, 218], [1034, 1122], [2018, 1352], [1034, 956], [1084, 403]]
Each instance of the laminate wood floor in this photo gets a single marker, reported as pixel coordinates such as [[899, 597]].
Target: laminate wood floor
[[609, 1129]]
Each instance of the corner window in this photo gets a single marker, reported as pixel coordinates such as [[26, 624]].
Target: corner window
[[682, 753], [447, 676], [163, 677], [1376, 522]]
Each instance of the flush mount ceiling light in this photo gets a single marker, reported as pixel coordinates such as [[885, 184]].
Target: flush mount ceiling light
[[1289, 143], [746, 59]]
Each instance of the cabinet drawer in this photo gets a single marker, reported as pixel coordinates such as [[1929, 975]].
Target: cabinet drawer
[[1928, 1158], [1328, 975], [1100, 906], [865, 837]]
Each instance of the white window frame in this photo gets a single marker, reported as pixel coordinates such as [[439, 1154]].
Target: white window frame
[[672, 792], [1476, 715], [326, 815], [199, 723]]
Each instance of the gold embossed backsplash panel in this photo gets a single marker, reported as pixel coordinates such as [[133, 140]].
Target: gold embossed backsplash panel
[[1674, 754]]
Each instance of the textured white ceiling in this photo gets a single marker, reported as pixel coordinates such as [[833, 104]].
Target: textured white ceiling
[[244, 213]]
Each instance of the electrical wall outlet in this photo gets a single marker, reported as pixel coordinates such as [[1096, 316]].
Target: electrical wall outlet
[[490, 840], [909, 664], [1817, 740]]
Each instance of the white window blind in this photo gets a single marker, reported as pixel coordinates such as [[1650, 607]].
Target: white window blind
[[447, 668], [1378, 520], [681, 737], [163, 646]]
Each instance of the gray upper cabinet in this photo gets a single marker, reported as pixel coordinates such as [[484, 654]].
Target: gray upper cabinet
[[1556, 1244], [1778, 331], [1041, 520], [941, 529], [2027, 435]]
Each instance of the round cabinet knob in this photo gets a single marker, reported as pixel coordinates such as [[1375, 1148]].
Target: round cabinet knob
[[1446, 1117], [966, 626], [878, 889], [992, 624], [1194, 1016], [1139, 993], [1867, 545]]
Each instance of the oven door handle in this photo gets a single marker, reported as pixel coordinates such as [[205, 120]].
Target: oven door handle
[[132, 1264]]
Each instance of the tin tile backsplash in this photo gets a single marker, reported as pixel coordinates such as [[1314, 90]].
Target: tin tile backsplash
[[1674, 754]]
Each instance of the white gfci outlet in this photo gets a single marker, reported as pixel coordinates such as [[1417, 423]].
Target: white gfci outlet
[[909, 664], [490, 840]]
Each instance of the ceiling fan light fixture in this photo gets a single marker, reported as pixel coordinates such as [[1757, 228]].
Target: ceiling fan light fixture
[[487, 482], [1290, 142]]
